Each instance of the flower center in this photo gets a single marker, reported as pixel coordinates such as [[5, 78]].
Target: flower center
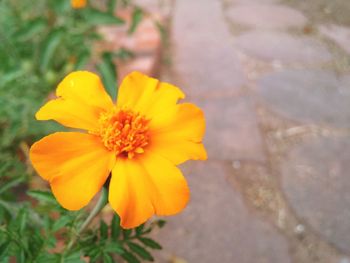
[[124, 132]]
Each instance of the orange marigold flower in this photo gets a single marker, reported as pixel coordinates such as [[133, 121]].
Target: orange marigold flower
[[139, 141], [77, 4]]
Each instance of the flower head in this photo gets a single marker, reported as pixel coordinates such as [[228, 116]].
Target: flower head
[[78, 4], [139, 141]]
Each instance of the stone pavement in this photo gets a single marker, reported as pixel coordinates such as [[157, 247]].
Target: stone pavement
[[273, 78]]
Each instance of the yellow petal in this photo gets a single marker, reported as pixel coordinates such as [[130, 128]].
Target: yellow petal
[[177, 135], [75, 164], [185, 121], [141, 187], [130, 193], [77, 4], [147, 95], [82, 98], [177, 150], [171, 192]]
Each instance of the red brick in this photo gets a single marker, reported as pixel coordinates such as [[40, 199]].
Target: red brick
[[146, 38], [145, 43], [148, 65]]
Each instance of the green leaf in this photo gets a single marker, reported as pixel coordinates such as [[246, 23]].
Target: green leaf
[[42, 196], [115, 227], [20, 257], [164, 35], [61, 222], [94, 253], [10, 76], [73, 258], [109, 74], [111, 6], [124, 54], [126, 233], [96, 17], [139, 229], [160, 223], [49, 47], [107, 258], [137, 15], [113, 248], [46, 257], [130, 258], [47, 222], [51, 241], [3, 249], [10, 184], [103, 230], [82, 60], [126, 2], [22, 220], [31, 29], [150, 243], [139, 250], [35, 243], [60, 7]]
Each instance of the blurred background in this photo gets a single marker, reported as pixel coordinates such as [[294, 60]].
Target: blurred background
[[273, 77]]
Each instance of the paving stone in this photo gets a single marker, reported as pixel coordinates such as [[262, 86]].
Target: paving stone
[[217, 227], [315, 179], [147, 4], [255, 1], [159, 6], [204, 60], [145, 40], [266, 16], [339, 34], [145, 43], [319, 11], [232, 130], [282, 47], [148, 65], [308, 95], [344, 260]]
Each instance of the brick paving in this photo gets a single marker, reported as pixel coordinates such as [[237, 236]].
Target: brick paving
[[266, 16], [273, 78], [144, 44], [222, 126], [276, 46], [316, 182], [217, 226], [205, 62], [321, 96], [339, 34]]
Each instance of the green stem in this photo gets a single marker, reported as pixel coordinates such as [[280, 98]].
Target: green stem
[[99, 206]]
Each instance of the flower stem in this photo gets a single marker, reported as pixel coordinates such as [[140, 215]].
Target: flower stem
[[99, 206]]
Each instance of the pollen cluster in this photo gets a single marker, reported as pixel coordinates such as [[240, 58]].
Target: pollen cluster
[[124, 132]]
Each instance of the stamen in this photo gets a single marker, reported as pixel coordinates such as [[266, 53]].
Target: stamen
[[123, 131]]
